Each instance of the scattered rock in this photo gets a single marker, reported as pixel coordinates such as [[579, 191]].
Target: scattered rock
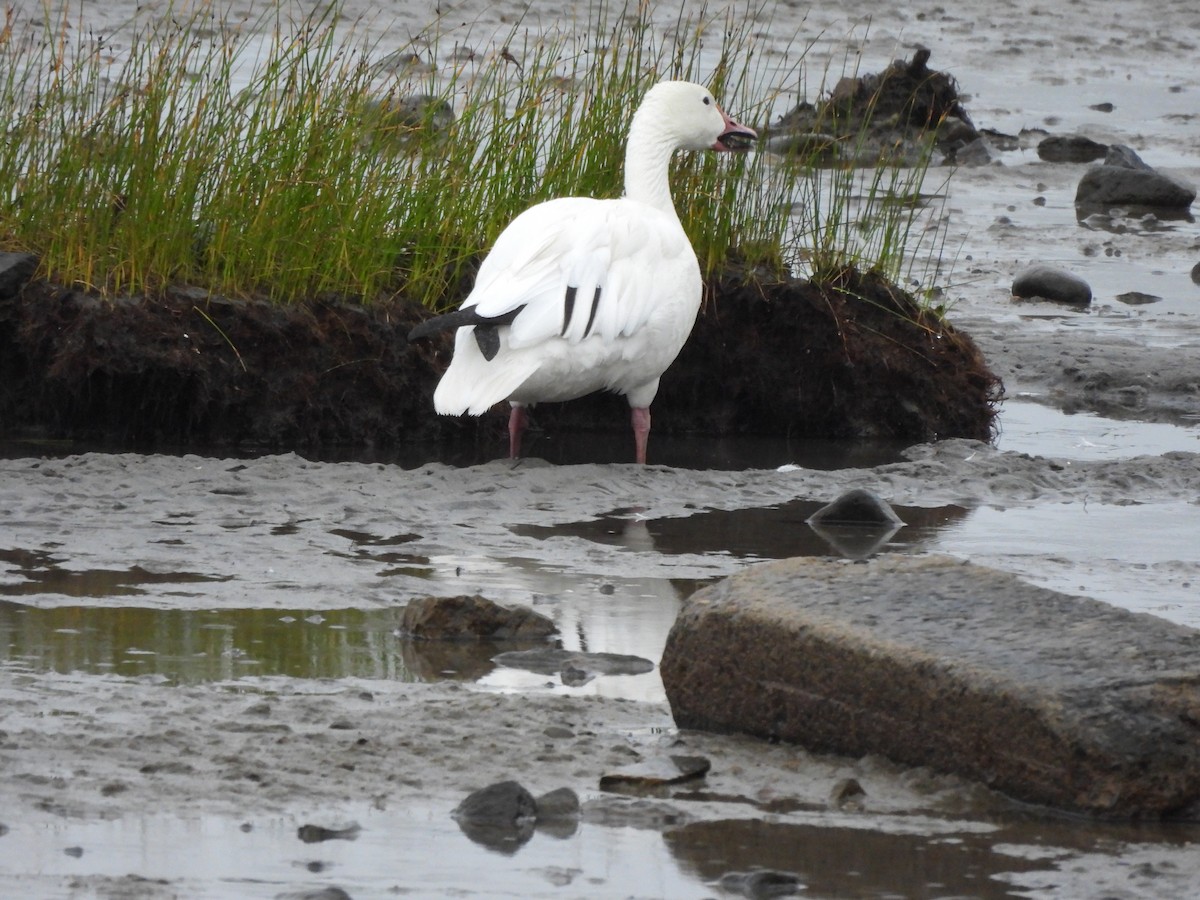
[[315, 834], [847, 794], [930, 661], [857, 507], [503, 803], [500, 816], [1123, 179], [562, 803], [75, 852], [1051, 283], [762, 884], [15, 271], [856, 524], [1137, 298], [1196, 273], [656, 772], [572, 665], [1071, 148], [321, 893], [472, 618]]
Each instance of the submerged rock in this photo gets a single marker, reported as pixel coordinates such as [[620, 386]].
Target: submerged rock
[[1050, 698], [575, 667], [471, 618], [762, 884]]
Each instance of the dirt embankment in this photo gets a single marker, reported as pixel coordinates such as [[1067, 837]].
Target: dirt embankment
[[768, 356]]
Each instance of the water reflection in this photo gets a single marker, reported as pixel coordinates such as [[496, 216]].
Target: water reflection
[[215, 645], [776, 532]]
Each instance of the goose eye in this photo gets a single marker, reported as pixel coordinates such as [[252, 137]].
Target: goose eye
[[708, 101]]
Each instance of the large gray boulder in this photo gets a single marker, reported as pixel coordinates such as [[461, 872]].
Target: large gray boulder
[[930, 661]]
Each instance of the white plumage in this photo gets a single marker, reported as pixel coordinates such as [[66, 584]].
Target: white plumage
[[579, 294]]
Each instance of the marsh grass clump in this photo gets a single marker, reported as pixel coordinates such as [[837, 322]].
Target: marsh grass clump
[[293, 159]]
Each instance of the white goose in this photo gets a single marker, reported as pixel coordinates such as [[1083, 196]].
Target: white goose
[[579, 294]]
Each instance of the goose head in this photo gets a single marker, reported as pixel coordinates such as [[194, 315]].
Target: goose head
[[688, 115]]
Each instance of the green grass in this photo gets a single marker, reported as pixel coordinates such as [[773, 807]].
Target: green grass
[[136, 167]]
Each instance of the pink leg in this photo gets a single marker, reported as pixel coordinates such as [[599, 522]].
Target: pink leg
[[641, 431], [517, 419]]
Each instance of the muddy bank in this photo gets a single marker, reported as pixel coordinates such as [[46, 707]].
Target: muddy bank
[[769, 356]]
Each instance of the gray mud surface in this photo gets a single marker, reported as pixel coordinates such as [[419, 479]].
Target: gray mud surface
[[124, 779]]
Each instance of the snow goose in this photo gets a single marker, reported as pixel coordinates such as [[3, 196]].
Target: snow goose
[[579, 294]]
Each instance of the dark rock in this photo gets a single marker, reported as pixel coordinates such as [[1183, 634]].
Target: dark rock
[[552, 661], [656, 772], [1051, 283], [505, 802], [321, 893], [1125, 180], [857, 507], [1137, 298], [762, 884], [500, 816], [562, 803], [856, 524], [847, 794], [1050, 698], [1196, 273], [1071, 148], [472, 618], [15, 271], [75, 852], [973, 153], [315, 834]]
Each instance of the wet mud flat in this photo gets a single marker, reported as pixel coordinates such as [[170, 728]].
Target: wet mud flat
[[208, 566], [152, 747]]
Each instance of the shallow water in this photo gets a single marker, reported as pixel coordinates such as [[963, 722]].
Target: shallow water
[[834, 855], [1021, 70]]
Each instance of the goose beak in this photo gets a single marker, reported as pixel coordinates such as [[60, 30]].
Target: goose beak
[[736, 137]]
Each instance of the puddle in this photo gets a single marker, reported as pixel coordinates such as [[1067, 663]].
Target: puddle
[[1040, 430], [831, 854], [188, 646], [1142, 557]]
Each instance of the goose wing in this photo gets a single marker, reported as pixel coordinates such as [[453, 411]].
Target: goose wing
[[578, 267]]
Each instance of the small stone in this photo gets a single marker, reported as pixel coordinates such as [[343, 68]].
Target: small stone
[[506, 802], [321, 893], [1071, 148], [562, 803], [1051, 283], [857, 507], [762, 884], [76, 852], [471, 618], [656, 772], [847, 794], [1137, 298], [315, 834]]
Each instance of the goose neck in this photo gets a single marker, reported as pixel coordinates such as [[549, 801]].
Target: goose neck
[[647, 167]]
